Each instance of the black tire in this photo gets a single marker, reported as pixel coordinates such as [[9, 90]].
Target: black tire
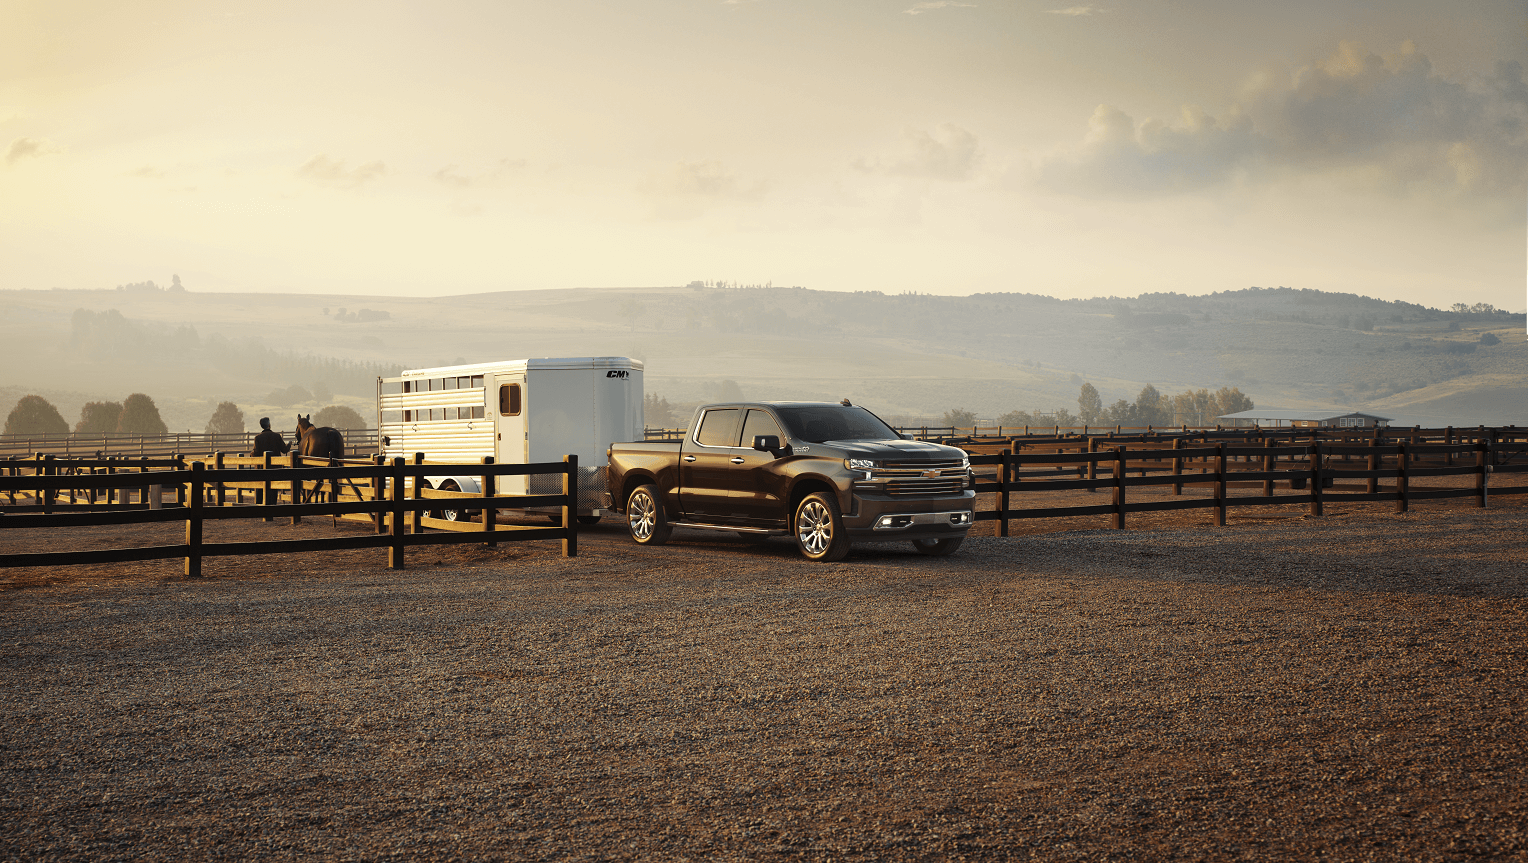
[[819, 528], [588, 520], [938, 547], [644, 517], [451, 514]]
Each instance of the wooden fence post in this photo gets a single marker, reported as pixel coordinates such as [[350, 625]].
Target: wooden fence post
[[194, 522], [1448, 439], [1315, 476], [1119, 487], [395, 550], [1373, 484], [221, 494], [265, 493], [378, 520], [1220, 484], [415, 518], [1482, 470], [294, 461], [1178, 467], [570, 506], [1268, 462], [1005, 476], [50, 496], [1092, 464], [490, 515], [1402, 485]]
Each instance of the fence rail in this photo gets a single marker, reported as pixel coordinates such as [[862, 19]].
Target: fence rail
[[391, 495], [1223, 466], [358, 443]]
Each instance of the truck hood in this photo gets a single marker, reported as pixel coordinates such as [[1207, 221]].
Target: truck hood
[[906, 450]]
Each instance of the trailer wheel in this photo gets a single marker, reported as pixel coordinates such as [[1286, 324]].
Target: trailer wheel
[[938, 547], [819, 529], [451, 514], [644, 517]]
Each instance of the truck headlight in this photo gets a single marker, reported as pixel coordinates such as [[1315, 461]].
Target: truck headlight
[[859, 464]]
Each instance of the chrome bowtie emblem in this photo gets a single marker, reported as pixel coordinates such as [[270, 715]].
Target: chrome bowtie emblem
[[931, 474]]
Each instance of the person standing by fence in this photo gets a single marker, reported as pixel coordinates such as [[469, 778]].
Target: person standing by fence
[[268, 441]]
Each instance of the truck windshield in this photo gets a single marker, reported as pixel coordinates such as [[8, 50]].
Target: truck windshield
[[817, 425]]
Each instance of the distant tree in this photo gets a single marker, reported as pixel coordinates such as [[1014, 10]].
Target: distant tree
[[1065, 418], [98, 418], [175, 285], [227, 419], [340, 417], [1489, 339], [1090, 406], [724, 391], [292, 395], [959, 418], [1121, 413], [140, 416], [1153, 408], [35, 415], [1230, 400], [656, 411], [1016, 419]]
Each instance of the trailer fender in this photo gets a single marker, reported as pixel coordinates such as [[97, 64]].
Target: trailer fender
[[469, 484]]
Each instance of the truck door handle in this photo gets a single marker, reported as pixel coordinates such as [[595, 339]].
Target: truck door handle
[[689, 458], [737, 460]]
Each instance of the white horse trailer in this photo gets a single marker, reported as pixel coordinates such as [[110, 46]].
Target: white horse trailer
[[519, 412]]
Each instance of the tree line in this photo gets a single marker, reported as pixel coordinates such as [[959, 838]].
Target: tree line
[[1150, 408], [137, 414]]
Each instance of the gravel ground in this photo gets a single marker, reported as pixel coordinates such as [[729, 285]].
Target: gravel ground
[[1344, 688]]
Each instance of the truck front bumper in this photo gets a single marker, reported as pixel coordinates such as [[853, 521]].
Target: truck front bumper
[[896, 518]]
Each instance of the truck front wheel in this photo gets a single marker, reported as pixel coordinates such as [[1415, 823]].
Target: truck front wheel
[[644, 517], [819, 528]]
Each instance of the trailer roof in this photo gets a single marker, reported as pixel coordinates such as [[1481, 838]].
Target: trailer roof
[[529, 363]]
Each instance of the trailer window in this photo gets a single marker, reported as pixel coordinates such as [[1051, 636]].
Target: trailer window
[[393, 416], [448, 383], [718, 428], [477, 381], [509, 400]]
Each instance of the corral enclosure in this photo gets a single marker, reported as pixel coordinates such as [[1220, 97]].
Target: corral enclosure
[[901, 355]]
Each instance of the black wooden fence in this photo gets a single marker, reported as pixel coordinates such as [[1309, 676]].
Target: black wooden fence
[[382, 497]]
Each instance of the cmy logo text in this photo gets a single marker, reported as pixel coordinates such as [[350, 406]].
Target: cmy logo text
[[618, 373]]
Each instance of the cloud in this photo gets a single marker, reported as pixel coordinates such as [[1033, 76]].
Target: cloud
[[688, 189], [1392, 123], [29, 148], [931, 5], [1075, 11], [447, 176], [331, 172], [947, 153]]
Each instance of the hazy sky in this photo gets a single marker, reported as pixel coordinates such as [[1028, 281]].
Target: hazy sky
[[946, 147]]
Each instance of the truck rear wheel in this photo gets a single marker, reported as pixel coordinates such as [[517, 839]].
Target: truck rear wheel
[[819, 528], [644, 517]]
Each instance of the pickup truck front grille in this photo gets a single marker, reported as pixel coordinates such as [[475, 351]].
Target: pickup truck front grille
[[916, 467], [943, 485]]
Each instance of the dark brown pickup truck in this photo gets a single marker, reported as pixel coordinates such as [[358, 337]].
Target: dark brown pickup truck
[[826, 474]]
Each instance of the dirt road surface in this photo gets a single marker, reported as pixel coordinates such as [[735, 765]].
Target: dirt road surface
[[1344, 688]]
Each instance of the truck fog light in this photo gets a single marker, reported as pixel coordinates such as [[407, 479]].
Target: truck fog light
[[886, 521]]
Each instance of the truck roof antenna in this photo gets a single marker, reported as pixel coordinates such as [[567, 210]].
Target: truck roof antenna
[[846, 404]]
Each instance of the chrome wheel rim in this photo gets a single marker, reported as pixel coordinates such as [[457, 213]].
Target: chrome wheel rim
[[642, 515], [814, 527]]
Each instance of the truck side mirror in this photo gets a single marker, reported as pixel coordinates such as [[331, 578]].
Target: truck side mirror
[[766, 443]]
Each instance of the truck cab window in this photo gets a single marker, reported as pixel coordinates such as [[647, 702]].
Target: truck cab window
[[718, 428], [509, 400], [759, 422]]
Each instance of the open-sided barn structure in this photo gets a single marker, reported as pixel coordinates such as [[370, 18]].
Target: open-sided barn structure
[[1276, 418]]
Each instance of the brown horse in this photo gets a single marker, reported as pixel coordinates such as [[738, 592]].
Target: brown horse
[[318, 442]]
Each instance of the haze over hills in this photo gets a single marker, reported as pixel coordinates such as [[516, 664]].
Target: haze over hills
[[904, 356]]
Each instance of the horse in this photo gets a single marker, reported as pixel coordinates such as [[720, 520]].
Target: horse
[[319, 442]]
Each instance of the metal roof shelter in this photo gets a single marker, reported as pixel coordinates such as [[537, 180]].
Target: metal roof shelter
[[1276, 418]]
